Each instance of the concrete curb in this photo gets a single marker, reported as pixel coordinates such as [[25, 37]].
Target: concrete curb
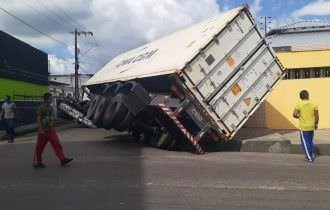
[[22, 130], [274, 143], [277, 143]]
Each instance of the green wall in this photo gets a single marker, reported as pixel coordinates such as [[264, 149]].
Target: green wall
[[14, 88]]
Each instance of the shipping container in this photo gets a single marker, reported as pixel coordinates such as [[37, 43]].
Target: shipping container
[[197, 84]]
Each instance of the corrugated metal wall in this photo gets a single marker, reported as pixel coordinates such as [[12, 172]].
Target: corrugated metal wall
[[21, 61]]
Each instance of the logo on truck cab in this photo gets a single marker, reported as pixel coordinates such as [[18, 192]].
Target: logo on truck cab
[[137, 58]]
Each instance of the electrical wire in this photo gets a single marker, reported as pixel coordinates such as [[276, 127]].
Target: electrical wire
[[96, 59], [54, 13], [66, 14], [31, 26], [43, 14]]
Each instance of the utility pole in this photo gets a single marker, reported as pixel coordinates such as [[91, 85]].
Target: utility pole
[[266, 20], [76, 61]]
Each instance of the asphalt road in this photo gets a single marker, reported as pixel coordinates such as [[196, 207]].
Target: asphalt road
[[117, 173]]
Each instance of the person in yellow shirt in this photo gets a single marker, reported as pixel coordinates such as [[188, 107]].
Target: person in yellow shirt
[[308, 115]]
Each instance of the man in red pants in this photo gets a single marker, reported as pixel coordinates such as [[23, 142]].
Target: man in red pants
[[47, 133]]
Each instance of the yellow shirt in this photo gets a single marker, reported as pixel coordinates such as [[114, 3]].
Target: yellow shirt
[[307, 118]]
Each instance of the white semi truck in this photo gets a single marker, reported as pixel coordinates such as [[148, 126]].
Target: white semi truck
[[198, 85]]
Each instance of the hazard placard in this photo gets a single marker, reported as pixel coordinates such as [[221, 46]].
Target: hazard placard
[[230, 61], [247, 101], [236, 89]]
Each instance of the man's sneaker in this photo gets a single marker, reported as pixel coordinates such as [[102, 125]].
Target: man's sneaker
[[40, 165], [66, 161], [308, 160]]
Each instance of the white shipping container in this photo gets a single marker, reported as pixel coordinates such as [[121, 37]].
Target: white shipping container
[[224, 62]]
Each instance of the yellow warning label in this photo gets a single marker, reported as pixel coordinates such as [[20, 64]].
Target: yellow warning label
[[247, 101], [230, 61], [236, 89]]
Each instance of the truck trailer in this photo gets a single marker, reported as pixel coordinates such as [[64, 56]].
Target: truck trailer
[[193, 88]]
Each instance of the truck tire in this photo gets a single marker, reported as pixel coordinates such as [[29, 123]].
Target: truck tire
[[92, 106], [114, 113], [169, 145], [124, 125], [111, 90], [165, 141], [127, 87], [99, 111]]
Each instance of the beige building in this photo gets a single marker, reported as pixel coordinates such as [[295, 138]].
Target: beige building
[[304, 50]]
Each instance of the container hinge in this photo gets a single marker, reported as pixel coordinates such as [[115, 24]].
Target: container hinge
[[202, 53], [241, 15], [213, 84], [234, 113], [228, 26], [224, 100], [215, 39], [202, 69], [188, 67]]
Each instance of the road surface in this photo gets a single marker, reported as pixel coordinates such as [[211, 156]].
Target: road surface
[[114, 172]]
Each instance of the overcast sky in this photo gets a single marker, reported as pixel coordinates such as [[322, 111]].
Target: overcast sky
[[120, 25]]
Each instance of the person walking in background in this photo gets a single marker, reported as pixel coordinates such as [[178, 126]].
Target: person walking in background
[[308, 115], [47, 133], [8, 112]]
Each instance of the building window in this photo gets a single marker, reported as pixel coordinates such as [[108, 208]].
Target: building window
[[327, 73], [307, 73], [317, 73], [297, 74]]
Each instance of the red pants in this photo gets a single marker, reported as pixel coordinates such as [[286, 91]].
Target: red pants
[[42, 141]]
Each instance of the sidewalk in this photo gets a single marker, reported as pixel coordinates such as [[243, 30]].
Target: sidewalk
[[31, 128], [280, 141]]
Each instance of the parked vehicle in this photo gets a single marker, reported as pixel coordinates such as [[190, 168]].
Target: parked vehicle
[[197, 84]]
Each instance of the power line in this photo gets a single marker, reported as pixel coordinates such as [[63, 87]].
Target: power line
[[50, 18], [54, 13], [74, 20], [66, 14], [31, 26], [55, 21]]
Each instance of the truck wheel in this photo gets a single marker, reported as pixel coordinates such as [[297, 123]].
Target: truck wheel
[[99, 111], [165, 141], [92, 106], [115, 113], [171, 144], [111, 90], [125, 123]]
